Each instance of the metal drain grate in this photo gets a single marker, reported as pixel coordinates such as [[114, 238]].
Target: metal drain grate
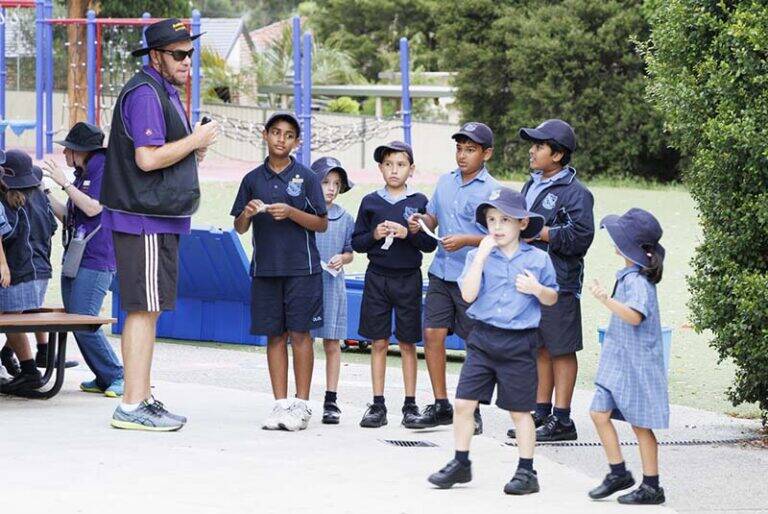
[[408, 444]]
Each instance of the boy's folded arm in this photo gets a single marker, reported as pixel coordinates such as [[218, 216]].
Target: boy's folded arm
[[547, 296], [242, 223], [422, 241], [309, 221]]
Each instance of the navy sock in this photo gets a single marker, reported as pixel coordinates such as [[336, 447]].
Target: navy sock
[[563, 415], [618, 469], [651, 480], [410, 400], [378, 400], [330, 397], [525, 464], [462, 457], [543, 410], [28, 367], [443, 402]]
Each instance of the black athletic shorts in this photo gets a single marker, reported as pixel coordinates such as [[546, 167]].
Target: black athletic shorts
[[445, 308], [560, 326], [286, 304], [147, 271], [383, 294]]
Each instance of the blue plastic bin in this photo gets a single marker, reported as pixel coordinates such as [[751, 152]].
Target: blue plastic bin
[[666, 341]]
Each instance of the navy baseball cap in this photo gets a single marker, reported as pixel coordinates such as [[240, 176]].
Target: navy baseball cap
[[478, 132], [284, 116], [555, 130], [635, 233], [512, 204], [393, 146], [164, 32], [324, 165]]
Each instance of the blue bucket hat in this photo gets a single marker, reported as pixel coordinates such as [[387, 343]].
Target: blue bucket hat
[[392, 146], [635, 233], [18, 172], [512, 204], [324, 165], [554, 130]]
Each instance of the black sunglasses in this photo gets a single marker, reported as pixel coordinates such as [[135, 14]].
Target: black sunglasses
[[178, 55]]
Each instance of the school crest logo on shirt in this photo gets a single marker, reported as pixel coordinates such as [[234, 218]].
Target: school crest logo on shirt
[[549, 201], [293, 189], [495, 194], [409, 211]]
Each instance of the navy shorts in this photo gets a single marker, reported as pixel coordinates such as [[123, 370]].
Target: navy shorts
[[502, 359], [560, 326], [383, 294], [282, 304], [445, 308]]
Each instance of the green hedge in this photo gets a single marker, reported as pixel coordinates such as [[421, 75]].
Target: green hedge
[[708, 64]]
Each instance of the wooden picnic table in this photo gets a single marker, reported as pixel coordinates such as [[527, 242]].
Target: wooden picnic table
[[58, 324]]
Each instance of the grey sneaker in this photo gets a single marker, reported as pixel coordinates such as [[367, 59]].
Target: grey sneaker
[[296, 417], [273, 420], [161, 407], [146, 417]]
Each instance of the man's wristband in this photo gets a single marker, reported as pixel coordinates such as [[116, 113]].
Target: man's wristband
[[65, 186]]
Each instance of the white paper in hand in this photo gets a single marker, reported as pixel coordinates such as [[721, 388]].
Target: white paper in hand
[[262, 207], [331, 271], [426, 230], [388, 242]]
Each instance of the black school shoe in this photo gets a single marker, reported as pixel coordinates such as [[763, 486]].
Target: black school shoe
[[612, 483], [554, 430], [9, 361], [433, 415], [478, 422], [41, 359], [453, 473], [331, 413], [23, 382], [410, 414], [643, 495], [537, 422], [374, 417], [524, 482]]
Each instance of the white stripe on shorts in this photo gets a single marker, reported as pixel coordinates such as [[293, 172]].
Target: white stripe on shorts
[[150, 272]]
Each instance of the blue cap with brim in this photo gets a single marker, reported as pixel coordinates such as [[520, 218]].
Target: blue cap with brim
[[551, 130]]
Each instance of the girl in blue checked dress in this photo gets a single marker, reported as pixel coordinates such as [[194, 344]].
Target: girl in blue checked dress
[[335, 246], [631, 380]]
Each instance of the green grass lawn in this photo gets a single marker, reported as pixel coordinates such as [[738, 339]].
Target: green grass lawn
[[696, 378]]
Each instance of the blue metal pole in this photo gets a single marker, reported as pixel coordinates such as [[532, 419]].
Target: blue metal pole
[[306, 100], [48, 13], [196, 68], [297, 104], [145, 59], [39, 76], [3, 73], [406, 85], [90, 65]]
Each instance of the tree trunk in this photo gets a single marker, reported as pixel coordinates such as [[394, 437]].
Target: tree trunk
[[77, 80]]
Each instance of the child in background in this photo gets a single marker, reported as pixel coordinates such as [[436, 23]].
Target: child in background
[[631, 379], [335, 246]]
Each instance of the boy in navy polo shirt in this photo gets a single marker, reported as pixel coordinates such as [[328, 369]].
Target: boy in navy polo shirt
[[393, 278], [554, 192], [506, 280], [283, 203], [452, 210]]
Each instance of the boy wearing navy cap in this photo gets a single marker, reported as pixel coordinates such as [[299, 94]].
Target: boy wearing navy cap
[[506, 280], [452, 210], [283, 203], [554, 192], [393, 279]]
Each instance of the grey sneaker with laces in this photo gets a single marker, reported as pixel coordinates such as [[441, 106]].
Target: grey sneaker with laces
[[148, 416]]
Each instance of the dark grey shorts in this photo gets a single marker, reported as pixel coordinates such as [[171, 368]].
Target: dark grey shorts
[[560, 326], [445, 308], [147, 270], [501, 359]]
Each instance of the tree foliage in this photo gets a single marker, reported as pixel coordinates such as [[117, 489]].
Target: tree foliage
[[708, 64]]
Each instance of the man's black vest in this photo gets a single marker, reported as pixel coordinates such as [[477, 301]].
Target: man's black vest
[[173, 191]]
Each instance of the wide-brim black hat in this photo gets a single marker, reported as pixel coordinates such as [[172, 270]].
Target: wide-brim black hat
[[164, 32], [18, 172], [83, 137], [512, 204]]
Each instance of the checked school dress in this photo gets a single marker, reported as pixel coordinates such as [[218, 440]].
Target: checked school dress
[[337, 239], [631, 380]]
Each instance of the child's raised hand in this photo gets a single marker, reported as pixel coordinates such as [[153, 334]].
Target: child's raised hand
[[453, 242], [381, 231], [397, 230], [279, 211], [413, 223], [252, 208], [527, 283], [5, 275], [598, 291], [487, 244]]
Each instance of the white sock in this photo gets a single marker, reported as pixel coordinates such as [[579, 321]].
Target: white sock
[[129, 407], [284, 403]]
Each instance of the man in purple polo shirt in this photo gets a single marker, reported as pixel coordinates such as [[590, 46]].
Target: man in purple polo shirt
[[150, 192]]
